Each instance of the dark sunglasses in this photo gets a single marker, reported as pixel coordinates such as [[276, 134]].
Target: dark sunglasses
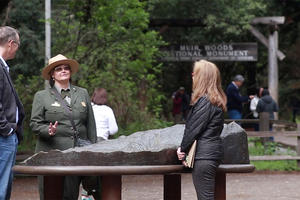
[[60, 68]]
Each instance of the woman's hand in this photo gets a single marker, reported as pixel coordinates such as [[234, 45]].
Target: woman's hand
[[184, 163], [52, 128], [180, 155]]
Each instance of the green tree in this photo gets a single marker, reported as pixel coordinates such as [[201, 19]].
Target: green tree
[[115, 49], [27, 17]]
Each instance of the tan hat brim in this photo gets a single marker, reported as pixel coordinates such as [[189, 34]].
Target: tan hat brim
[[72, 63]]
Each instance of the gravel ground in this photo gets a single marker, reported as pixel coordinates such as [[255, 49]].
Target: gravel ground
[[254, 186]]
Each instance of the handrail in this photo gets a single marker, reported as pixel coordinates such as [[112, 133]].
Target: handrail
[[272, 133], [250, 121], [122, 170]]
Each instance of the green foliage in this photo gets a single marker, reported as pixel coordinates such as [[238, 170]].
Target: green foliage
[[221, 20], [26, 17], [26, 88], [115, 51], [233, 16], [257, 148], [279, 165], [28, 143]]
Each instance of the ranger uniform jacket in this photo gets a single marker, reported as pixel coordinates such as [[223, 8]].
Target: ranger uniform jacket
[[46, 108]]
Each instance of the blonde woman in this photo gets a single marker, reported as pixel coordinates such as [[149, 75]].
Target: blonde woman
[[204, 124]]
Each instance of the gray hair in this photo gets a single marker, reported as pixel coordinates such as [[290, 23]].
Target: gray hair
[[239, 78], [7, 33]]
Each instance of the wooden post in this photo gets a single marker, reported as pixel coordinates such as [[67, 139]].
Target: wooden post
[[272, 42], [53, 187], [264, 125], [111, 187], [220, 186], [265, 41], [264, 121], [47, 35], [298, 145], [172, 187], [47, 30], [272, 64]]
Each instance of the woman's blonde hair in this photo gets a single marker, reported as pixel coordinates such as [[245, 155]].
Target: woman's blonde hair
[[207, 82]]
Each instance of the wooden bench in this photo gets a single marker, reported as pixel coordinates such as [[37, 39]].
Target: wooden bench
[[111, 184]]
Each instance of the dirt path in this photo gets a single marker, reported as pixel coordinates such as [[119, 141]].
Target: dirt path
[[255, 186]]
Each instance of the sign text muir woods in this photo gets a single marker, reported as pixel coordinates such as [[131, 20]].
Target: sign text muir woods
[[212, 52]]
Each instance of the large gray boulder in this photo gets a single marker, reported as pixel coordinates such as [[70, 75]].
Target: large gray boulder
[[152, 147]]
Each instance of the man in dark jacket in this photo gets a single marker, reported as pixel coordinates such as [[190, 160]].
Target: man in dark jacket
[[234, 99], [267, 104], [11, 111]]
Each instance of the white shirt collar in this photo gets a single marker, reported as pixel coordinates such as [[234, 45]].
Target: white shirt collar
[[6, 65], [235, 85]]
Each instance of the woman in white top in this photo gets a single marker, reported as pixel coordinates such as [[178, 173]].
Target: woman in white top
[[254, 102], [106, 124]]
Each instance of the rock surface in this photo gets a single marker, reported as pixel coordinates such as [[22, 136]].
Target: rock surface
[[235, 144], [153, 147]]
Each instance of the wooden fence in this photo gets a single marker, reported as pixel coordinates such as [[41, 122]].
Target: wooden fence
[[289, 129]]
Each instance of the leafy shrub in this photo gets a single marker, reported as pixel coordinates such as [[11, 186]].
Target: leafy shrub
[[26, 88]]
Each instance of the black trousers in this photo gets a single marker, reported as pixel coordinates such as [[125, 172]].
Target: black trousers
[[204, 174]]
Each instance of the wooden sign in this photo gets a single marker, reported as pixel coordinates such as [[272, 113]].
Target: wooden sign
[[268, 20], [212, 52]]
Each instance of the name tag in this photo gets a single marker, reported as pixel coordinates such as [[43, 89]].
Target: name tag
[[56, 104]]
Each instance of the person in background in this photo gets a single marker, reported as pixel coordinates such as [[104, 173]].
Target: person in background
[[11, 111], [295, 104], [50, 122], [267, 104], [106, 124], [234, 99], [185, 104], [205, 124], [177, 107], [104, 116], [253, 106], [254, 102]]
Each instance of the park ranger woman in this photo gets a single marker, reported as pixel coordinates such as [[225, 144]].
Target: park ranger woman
[[51, 122]]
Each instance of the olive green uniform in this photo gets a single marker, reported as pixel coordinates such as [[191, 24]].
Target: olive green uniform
[[46, 108]]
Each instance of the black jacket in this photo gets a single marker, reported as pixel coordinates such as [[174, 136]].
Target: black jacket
[[9, 101], [205, 124], [234, 98], [267, 104]]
